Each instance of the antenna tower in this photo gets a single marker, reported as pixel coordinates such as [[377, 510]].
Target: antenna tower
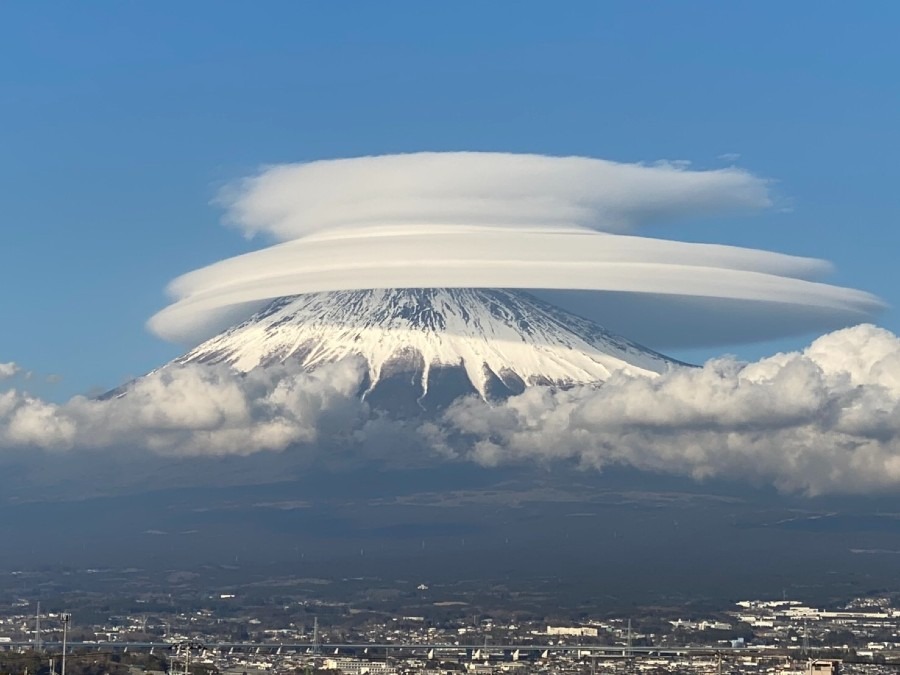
[[315, 635]]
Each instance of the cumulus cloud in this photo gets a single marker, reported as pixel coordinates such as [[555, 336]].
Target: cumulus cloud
[[822, 420], [193, 410], [552, 225], [9, 369]]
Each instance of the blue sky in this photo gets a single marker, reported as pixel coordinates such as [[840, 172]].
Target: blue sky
[[120, 120]]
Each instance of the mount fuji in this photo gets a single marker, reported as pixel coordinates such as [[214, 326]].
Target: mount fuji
[[423, 348]]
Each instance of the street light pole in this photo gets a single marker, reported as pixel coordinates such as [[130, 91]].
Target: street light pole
[[66, 617]]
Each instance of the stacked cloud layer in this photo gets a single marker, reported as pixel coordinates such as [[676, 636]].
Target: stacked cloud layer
[[553, 225]]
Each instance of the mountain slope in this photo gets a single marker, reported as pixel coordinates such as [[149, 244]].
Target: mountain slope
[[493, 342]]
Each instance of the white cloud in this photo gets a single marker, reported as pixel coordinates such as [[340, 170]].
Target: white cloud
[[9, 369], [481, 188], [730, 156], [546, 224], [192, 410], [824, 420], [690, 276]]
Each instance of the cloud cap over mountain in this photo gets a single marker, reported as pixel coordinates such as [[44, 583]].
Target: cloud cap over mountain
[[551, 225]]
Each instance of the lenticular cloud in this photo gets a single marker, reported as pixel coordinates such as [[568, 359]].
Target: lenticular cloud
[[563, 228], [464, 188]]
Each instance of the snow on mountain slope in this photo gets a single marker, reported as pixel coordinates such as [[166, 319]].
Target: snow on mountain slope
[[500, 339]]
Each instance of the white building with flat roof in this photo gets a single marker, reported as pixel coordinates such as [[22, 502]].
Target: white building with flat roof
[[572, 631]]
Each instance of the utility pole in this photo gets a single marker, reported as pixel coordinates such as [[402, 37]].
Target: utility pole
[[66, 617], [37, 628]]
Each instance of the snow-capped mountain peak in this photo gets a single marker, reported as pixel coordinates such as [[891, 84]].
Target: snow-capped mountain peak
[[494, 342]]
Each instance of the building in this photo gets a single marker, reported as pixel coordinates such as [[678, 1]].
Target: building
[[572, 631]]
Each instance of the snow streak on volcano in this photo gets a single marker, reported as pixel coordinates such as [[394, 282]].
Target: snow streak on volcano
[[440, 342]]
